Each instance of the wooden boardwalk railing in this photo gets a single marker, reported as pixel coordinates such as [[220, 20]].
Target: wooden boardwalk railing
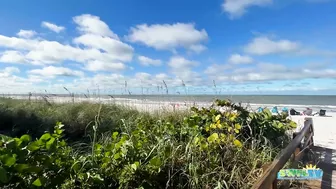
[[295, 149]]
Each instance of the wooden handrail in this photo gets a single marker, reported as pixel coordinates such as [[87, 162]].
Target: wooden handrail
[[268, 179]]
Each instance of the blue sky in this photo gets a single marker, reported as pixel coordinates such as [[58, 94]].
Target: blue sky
[[241, 46]]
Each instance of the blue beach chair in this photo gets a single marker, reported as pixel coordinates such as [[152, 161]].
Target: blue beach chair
[[260, 109], [285, 109], [275, 110]]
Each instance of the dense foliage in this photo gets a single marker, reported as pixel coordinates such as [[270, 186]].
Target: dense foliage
[[208, 148]]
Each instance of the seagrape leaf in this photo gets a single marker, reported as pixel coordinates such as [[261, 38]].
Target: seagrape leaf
[[3, 175], [25, 138], [237, 143]]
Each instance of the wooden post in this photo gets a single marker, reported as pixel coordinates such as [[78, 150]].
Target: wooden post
[[275, 184]]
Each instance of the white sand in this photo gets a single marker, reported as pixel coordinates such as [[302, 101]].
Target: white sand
[[324, 129]]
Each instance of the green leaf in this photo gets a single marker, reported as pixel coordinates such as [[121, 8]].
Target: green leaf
[[9, 160], [58, 131], [218, 117], [50, 143], [134, 167], [268, 113], [98, 146], [38, 182], [11, 144], [59, 125], [62, 143], [237, 143], [45, 137], [292, 124], [237, 126], [3, 175], [155, 162], [21, 167], [18, 142], [33, 146], [76, 167], [116, 156], [213, 137], [25, 138], [114, 135]]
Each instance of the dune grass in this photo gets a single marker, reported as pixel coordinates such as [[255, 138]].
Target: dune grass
[[111, 146]]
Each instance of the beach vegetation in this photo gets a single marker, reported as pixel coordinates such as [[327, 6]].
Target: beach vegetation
[[111, 146]]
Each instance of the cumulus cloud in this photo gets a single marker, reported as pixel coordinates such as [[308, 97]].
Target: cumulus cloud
[[240, 59], [216, 69], [180, 63], [169, 36], [7, 72], [90, 24], [264, 46], [145, 61], [237, 8], [182, 69], [12, 57], [97, 65], [91, 47], [52, 27], [11, 70], [115, 48], [52, 71], [26, 33]]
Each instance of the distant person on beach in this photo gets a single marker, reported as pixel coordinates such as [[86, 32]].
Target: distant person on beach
[[308, 112]]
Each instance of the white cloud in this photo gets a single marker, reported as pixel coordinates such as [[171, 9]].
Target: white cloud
[[90, 48], [11, 70], [264, 45], [169, 36], [97, 65], [179, 63], [17, 43], [182, 69], [270, 67], [52, 71], [90, 24], [240, 59], [215, 69], [145, 61], [198, 48], [116, 48], [12, 57], [143, 76], [7, 73], [52, 27], [26, 33], [237, 8], [162, 76], [269, 72]]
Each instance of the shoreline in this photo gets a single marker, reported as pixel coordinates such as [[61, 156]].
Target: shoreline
[[147, 105]]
